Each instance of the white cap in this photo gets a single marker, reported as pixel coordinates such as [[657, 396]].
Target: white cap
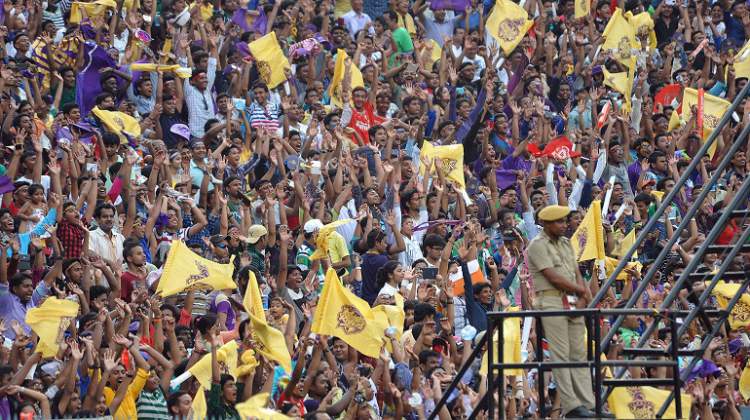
[[312, 225]]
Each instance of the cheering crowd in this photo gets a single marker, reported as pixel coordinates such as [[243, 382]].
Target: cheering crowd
[[239, 209]]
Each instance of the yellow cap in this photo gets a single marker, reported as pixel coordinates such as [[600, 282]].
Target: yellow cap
[[552, 213]]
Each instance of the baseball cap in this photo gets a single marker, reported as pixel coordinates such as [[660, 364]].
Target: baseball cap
[[255, 233], [312, 225]]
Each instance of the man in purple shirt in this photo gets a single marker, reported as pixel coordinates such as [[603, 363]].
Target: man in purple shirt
[[19, 295]]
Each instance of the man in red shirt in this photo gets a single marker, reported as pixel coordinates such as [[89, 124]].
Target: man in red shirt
[[135, 276], [362, 114]]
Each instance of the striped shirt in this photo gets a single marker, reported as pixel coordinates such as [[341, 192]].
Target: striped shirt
[[200, 104], [264, 116], [152, 405]]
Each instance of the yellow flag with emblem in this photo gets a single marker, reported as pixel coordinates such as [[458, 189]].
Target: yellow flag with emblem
[[611, 263], [255, 408], [643, 26], [583, 8], [185, 270], [451, 157], [740, 315], [511, 344], [269, 59], [342, 314], [334, 91], [226, 354], [270, 343], [643, 402], [627, 242], [93, 10], [49, 321], [508, 24], [619, 38], [119, 123], [713, 109], [252, 301], [588, 239]]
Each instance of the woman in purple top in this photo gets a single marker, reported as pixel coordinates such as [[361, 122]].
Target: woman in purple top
[[221, 306]]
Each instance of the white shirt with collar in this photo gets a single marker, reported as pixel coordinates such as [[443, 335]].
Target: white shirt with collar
[[109, 248], [355, 22]]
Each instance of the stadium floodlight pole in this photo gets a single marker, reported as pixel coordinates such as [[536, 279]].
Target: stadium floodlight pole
[[710, 238], [669, 198]]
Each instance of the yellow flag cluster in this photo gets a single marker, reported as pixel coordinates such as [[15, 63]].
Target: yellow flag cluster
[[226, 354], [49, 321], [93, 10], [334, 91], [511, 345], [583, 8], [269, 59], [255, 408], [452, 157], [342, 314], [588, 239], [182, 72], [185, 270], [740, 315], [119, 123], [508, 24], [619, 38], [643, 402], [622, 81], [713, 109]]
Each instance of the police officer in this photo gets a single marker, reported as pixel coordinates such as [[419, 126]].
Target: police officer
[[559, 286]]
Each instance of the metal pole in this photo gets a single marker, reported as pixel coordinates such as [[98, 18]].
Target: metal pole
[[671, 195], [676, 367], [490, 368], [540, 370], [597, 364], [711, 237]]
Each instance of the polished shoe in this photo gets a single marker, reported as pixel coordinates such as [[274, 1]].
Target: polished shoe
[[580, 412]]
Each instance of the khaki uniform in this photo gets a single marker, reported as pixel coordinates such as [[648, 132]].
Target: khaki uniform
[[566, 336]]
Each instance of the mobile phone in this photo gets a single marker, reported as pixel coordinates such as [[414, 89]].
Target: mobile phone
[[429, 273]]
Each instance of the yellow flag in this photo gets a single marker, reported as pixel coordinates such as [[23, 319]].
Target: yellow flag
[[247, 364], [119, 123], [740, 316], [620, 38], [588, 239], [200, 408], [342, 314], [627, 242], [182, 72], [270, 59], [622, 81], [226, 354], [643, 402], [713, 109], [255, 408], [94, 9], [508, 24], [324, 234], [511, 345], [745, 382], [611, 263], [270, 343], [49, 321], [185, 269], [742, 62], [334, 91], [451, 155], [643, 26], [253, 302], [390, 316], [583, 8]]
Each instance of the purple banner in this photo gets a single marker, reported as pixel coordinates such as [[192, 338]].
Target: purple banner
[[455, 5]]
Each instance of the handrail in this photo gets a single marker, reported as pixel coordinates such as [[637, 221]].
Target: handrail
[[669, 198], [710, 238]]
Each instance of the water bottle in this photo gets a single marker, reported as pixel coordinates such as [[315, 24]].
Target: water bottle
[[264, 298]]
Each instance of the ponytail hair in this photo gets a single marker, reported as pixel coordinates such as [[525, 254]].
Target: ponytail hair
[[383, 272]]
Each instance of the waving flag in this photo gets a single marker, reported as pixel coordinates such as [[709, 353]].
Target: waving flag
[[643, 26], [49, 321], [583, 8], [713, 109], [588, 239], [119, 123], [93, 10], [88, 84], [620, 38], [459, 6], [342, 314], [226, 354], [270, 343], [508, 24], [511, 344], [740, 316], [185, 269], [252, 301], [622, 81], [269, 59], [452, 157], [334, 91], [667, 95], [255, 408], [643, 402]]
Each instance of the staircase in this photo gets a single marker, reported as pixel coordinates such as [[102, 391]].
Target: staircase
[[712, 320]]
